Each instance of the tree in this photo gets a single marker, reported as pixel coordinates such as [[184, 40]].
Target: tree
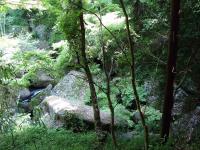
[[133, 80], [89, 75], [171, 69], [108, 71]]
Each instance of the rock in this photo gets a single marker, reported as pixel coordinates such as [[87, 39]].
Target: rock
[[24, 94], [150, 88], [41, 31], [72, 87], [136, 117], [58, 111], [28, 104], [38, 98], [188, 127], [41, 80], [42, 45], [25, 105], [180, 95], [127, 135], [66, 107], [159, 42]]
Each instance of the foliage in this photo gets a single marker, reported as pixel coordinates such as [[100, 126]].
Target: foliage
[[75, 124], [31, 62], [6, 73], [64, 59], [42, 139], [7, 108], [7, 97], [149, 21], [126, 89]]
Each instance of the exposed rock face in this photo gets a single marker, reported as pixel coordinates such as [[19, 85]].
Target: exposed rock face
[[188, 125], [58, 109], [72, 87]]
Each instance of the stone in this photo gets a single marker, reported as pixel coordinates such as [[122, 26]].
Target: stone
[[28, 104], [188, 126], [42, 45], [41, 80], [38, 98], [24, 94], [136, 117], [127, 135], [56, 110], [72, 87], [41, 31], [150, 88]]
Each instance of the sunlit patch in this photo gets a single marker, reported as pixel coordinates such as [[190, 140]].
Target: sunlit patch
[[28, 4], [112, 18], [59, 104]]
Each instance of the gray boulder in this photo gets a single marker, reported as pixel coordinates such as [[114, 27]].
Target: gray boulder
[[24, 93], [66, 105], [72, 87], [59, 112]]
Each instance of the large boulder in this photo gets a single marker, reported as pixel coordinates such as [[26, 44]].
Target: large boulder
[[59, 112], [66, 105], [72, 87]]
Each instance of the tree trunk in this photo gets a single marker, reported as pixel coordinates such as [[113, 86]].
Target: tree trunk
[[171, 69], [132, 51], [90, 78], [108, 71]]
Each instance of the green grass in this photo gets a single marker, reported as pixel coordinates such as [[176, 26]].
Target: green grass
[[47, 139], [37, 138]]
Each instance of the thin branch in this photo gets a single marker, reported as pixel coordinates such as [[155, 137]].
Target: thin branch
[[110, 32]]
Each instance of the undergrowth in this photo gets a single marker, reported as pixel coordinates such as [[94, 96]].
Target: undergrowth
[[59, 139]]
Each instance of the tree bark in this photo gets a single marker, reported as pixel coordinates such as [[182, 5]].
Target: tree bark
[[133, 81], [171, 70], [90, 78]]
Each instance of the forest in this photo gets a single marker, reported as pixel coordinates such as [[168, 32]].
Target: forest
[[99, 74]]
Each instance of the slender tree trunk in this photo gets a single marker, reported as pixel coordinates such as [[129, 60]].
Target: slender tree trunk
[[132, 51], [171, 69], [108, 71], [90, 78]]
